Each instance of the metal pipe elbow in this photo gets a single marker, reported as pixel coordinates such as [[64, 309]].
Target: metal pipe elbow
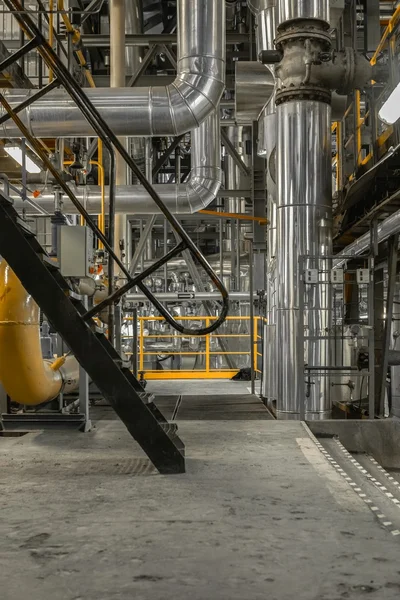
[[201, 189], [26, 377], [189, 100]]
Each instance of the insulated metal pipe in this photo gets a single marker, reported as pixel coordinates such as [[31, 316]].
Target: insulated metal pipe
[[385, 230], [117, 80], [141, 111], [197, 193], [26, 377], [304, 209], [304, 221], [264, 12], [292, 10], [189, 297]]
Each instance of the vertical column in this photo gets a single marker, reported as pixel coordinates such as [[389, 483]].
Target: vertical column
[[304, 204]]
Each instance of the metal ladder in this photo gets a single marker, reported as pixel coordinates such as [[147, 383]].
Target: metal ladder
[[50, 290]]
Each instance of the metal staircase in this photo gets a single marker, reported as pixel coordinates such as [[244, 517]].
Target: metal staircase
[[42, 279]]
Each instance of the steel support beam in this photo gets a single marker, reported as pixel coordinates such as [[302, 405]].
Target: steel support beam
[[146, 39], [234, 154]]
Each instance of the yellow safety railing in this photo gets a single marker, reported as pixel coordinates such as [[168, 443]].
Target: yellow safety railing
[[206, 351]]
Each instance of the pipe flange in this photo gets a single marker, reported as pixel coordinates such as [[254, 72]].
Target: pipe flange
[[319, 94], [293, 34]]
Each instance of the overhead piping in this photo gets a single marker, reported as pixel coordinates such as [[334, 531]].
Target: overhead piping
[[145, 111], [385, 230], [26, 377], [200, 190]]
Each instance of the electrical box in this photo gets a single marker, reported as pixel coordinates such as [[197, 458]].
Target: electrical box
[[337, 276], [311, 276], [75, 250], [363, 276]]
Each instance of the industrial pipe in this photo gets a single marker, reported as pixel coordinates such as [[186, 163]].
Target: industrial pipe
[[142, 111], [188, 297], [197, 193], [304, 202], [385, 230], [26, 377], [264, 12]]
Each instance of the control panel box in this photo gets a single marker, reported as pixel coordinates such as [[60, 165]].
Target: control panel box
[[75, 250]]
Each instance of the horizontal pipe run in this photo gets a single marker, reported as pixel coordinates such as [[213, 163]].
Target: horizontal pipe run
[[26, 377], [197, 193], [190, 296], [141, 111]]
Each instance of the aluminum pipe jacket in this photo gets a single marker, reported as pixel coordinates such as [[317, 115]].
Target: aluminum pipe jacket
[[385, 230], [264, 12], [155, 111], [199, 191], [290, 10], [304, 221]]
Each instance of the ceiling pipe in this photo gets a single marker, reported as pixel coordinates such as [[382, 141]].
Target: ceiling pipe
[[145, 111], [25, 375], [197, 193]]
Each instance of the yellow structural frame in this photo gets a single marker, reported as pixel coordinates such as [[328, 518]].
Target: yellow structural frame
[[208, 372]]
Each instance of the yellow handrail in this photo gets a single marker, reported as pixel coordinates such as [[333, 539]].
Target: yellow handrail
[[206, 352]]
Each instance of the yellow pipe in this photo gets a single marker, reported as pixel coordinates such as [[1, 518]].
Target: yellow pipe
[[26, 377]]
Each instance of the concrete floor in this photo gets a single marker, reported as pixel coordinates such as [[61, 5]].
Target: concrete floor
[[259, 514]]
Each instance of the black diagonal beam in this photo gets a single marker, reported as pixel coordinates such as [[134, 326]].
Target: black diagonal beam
[[164, 157]]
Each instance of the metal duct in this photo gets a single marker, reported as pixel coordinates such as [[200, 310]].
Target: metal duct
[[190, 296], [304, 210], [156, 111], [264, 11], [27, 378], [385, 230], [199, 191]]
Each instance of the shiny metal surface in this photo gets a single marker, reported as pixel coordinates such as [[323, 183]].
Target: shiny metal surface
[[254, 86], [303, 228], [385, 229], [289, 10], [161, 110], [133, 25], [197, 193], [265, 16]]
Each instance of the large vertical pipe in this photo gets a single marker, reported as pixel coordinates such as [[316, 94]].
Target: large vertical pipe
[[265, 20], [304, 206], [117, 80]]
